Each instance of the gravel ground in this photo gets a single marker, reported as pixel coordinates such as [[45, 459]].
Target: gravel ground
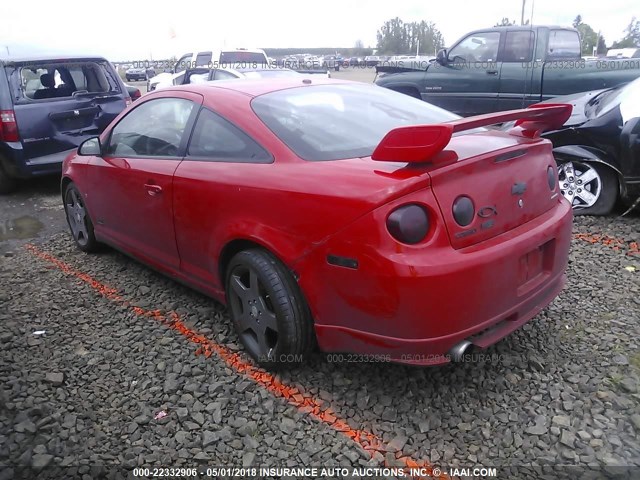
[[563, 390]]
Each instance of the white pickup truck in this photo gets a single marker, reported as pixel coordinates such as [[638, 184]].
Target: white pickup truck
[[214, 58]]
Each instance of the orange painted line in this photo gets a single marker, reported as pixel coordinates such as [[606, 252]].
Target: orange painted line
[[616, 244], [370, 442]]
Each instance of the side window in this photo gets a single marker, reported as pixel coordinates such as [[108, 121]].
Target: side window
[[217, 139], [222, 75], [183, 63], [78, 78], [203, 59], [153, 129], [563, 44], [518, 46], [479, 47]]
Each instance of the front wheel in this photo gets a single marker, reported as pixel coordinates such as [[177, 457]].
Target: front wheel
[[268, 310], [78, 220], [590, 187]]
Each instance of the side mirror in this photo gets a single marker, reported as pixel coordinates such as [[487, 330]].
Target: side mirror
[[90, 146], [441, 56]]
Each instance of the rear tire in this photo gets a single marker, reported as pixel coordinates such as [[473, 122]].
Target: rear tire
[[79, 221], [268, 310], [591, 187], [7, 183]]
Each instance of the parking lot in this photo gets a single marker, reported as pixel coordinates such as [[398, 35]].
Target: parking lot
[[94, 347]]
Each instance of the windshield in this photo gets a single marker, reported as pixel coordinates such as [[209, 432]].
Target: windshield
[[630, 101], [609, 99], [332, 122]]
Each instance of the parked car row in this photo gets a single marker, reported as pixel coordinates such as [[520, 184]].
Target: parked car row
[[597, 151]]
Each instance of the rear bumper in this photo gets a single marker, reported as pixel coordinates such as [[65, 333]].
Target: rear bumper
[[435, 351], [415, 308]]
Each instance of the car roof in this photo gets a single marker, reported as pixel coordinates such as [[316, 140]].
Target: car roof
[[261, 86]]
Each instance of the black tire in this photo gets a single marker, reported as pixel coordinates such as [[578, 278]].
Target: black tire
[[78, 220], [7, 183], [259, 287], [606, 187]]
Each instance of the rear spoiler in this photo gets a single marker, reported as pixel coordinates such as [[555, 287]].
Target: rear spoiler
[[420, 143]]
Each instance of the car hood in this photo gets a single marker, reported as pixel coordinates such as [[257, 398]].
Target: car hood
[[579, 102]]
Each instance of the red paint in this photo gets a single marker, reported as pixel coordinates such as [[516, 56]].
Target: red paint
[[303, 401], [413, 144], [455, 283]]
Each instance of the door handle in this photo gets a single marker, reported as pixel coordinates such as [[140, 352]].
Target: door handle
[[152, 190], [492, 72]]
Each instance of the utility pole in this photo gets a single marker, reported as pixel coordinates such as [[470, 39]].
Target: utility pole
[[522, 15]]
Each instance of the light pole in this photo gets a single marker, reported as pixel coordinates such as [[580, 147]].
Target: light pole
[[522, 15]]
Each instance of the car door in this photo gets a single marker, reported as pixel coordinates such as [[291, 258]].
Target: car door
[[517, 88], [131, 184], [467, 82], [218, 153]]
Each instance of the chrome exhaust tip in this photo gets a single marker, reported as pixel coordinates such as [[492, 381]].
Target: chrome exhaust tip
[[457, 351]]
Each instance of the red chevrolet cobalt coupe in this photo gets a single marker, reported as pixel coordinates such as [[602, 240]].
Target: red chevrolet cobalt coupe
[[332, 213]]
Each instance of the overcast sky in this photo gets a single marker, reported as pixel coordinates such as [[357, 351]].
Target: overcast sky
[[138, 30]]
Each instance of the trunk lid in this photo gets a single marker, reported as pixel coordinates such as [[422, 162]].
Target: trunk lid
[[508, 185]]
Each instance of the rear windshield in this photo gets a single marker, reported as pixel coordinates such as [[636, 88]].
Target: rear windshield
[[229, 58], [333, 122], [38, 81]]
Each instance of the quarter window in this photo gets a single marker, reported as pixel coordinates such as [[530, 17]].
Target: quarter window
[[154, 129], [217, 139], [518, 47], [478, 47]]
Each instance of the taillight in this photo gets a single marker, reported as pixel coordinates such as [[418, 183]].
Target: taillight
[[552, 178], [8, 126], [127, 101], [408, 224], [463, 210]]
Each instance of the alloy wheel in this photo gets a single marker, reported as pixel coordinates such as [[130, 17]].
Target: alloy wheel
[[579, 183], [77, 217], [253, 311]]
